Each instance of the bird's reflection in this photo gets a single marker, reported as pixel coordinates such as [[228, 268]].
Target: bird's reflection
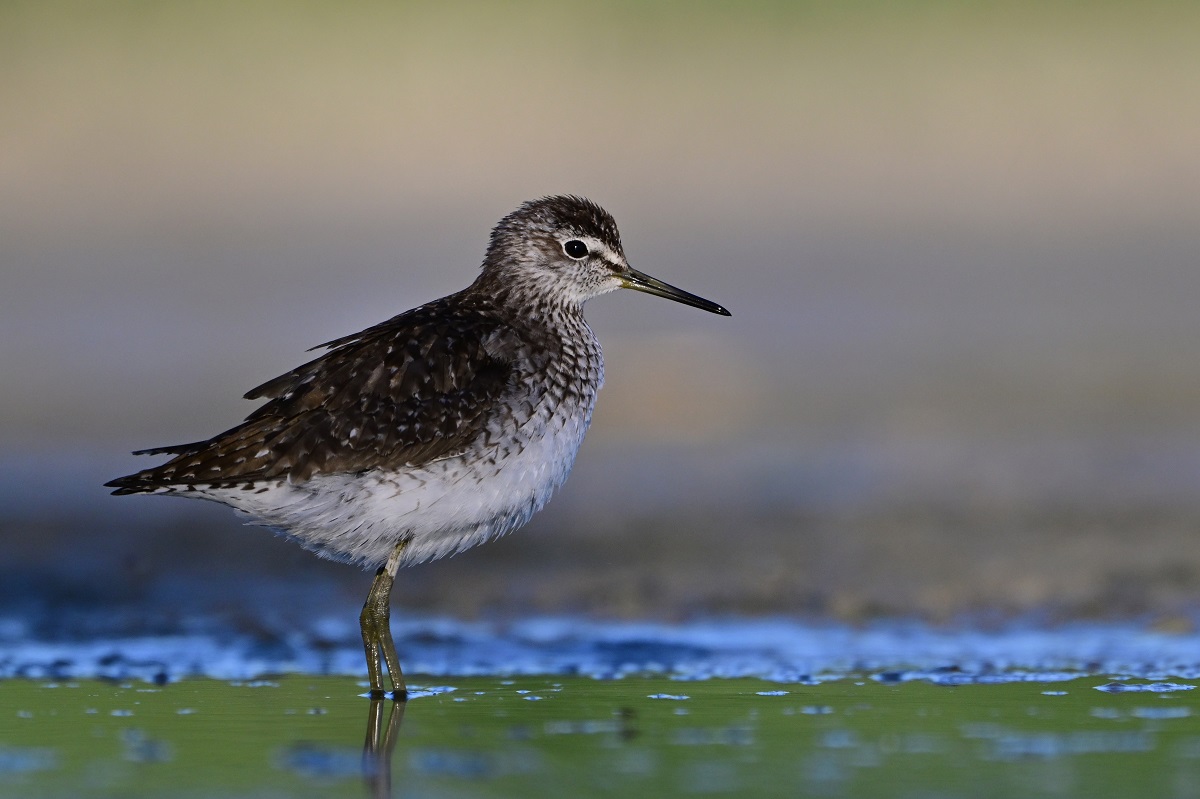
[[378, 745]]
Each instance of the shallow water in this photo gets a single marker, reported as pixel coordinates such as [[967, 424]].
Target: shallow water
[[553, 707], [779, 650], [654, 736]]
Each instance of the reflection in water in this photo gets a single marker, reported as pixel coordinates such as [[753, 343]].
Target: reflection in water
[[378, 745]]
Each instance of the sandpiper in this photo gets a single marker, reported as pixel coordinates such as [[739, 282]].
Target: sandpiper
[[435, 430]]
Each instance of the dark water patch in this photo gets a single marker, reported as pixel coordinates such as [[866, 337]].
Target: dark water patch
[[140, 747], [310, 760], [1014, 746], [25, 759]]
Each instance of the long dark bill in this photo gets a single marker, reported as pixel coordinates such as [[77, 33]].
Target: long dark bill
[[638, 281]]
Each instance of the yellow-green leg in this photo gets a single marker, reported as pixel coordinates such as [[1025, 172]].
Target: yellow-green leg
[[375, 620]]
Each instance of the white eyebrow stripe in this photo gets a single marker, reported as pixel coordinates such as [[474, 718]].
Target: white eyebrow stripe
[[606, 252]]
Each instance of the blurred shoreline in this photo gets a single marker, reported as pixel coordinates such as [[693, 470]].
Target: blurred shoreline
[[959, 242], [1060, 530]]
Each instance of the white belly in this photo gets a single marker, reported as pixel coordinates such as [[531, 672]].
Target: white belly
[[441, 508]]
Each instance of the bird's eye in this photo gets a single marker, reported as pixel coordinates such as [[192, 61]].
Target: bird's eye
[[575, 249]]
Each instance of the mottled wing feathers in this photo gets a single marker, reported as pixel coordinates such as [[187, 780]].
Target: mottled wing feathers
[[394, 326], [413, 389]]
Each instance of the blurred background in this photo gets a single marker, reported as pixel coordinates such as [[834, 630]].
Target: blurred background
[[959, 242]]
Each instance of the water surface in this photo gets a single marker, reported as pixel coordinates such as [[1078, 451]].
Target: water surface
[[653, 736], [553, 707]]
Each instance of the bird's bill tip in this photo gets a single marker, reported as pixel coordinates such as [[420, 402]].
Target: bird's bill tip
[[639, 281]]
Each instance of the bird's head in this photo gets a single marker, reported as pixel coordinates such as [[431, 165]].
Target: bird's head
[[569, 249]]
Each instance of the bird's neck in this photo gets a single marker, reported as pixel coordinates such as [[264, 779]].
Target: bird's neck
[[524, 297]]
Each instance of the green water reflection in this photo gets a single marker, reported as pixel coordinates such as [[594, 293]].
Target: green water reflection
[[301, 736]]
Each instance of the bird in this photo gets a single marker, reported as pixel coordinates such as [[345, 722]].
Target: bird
[[438, 429]]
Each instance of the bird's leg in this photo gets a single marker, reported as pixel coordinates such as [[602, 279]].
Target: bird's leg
[[375, 620]]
